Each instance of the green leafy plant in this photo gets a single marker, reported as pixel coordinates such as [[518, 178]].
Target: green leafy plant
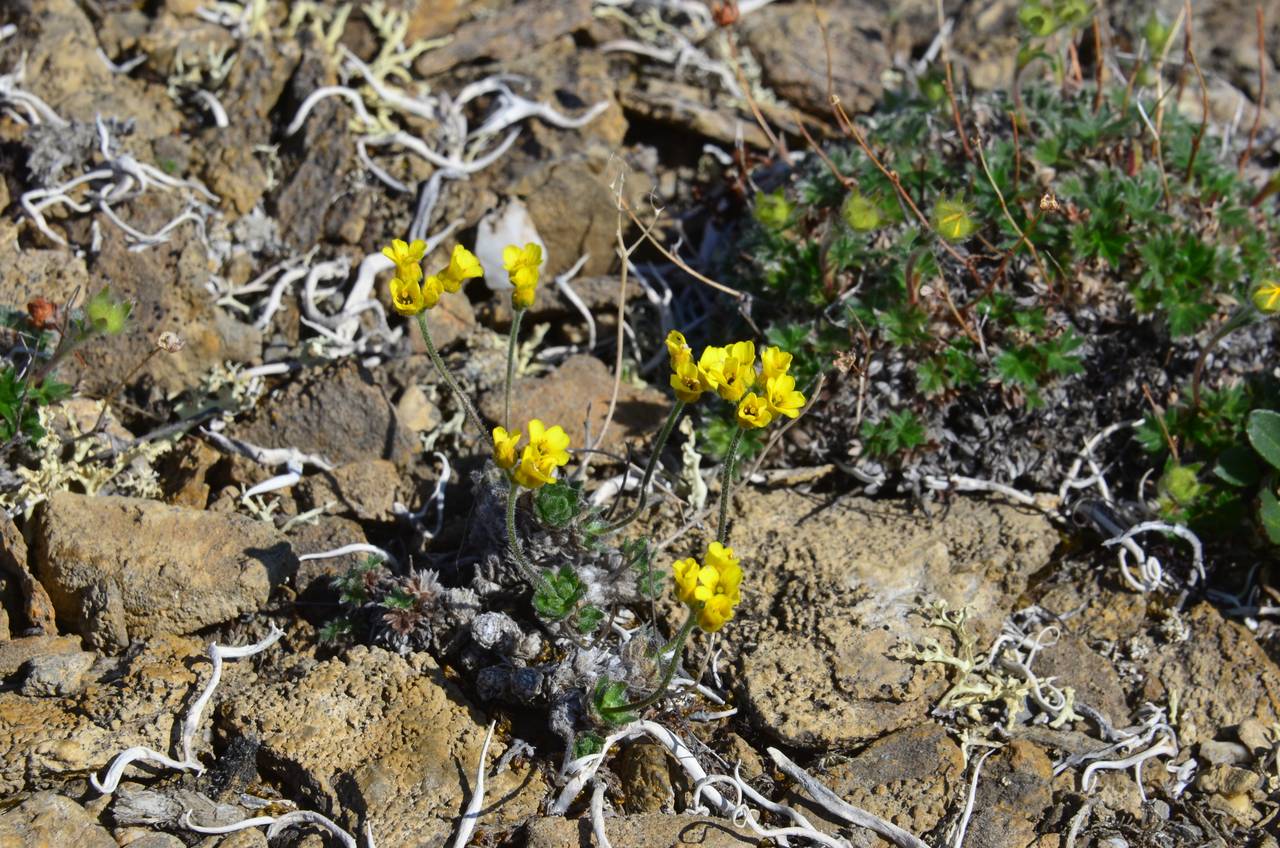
[[558, 594]]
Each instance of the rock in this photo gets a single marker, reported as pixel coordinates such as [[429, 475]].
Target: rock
[[1013, 796], [184, 473], [233, 172], [1220, 673], [580, 387], [152, 568], [16, 653], [135, 700], [380, 738], [49, 820], [575, 214], [787, 41], [692, 109], [572, 80], [909, 777], [598, 294], [363, 490], [821, 629], [328, 533], [1255, 736], [646, 778], [317, 159], [239, 839], [451, 319], [1224, 753], [336, 412], [56, 674], [37, 607], [416, 412], [1073, 663], [52, 274], [154, 840], [58, 71], [520, 29], [651, 830]]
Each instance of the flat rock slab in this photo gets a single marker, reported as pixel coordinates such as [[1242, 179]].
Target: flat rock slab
[[49, 820], [385, 739], [651, 830], [833, 591], [578, 393], [128, 568]]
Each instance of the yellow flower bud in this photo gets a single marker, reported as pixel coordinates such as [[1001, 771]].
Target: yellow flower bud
[[407, 258], [504, 447], [1267, 297], [463, 266]]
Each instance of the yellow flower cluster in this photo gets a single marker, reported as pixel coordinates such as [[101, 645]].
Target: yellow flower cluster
[[548, 449], [410, 293], [522, 265], [730, 372], [711, 588]]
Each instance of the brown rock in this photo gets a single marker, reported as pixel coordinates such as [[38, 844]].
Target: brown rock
[[383, 737], [646, 778], [17, 652], [234, 173], [692, 109], [827, 620], [909, 777], [787, 41], [575, 215], [581, 387], [184, 473], [126, 568], [338, 413], [416, 411], [1073, 663], [363, 490], [327, 533], [37, 607], [520, 29], [651, 830], [49, 820], [1013, 795], [451, 320]]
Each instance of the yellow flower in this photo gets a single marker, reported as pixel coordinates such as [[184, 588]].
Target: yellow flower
[[432, 288], [710, 590], [406, 297], [774, 362], [522, 264], [754, 411], [686, 379], [463, 266], [547, 450], [714, 613], [504, 447], [407, 258], [1267, 297], [678, 350], [722, 369], [782, 397]]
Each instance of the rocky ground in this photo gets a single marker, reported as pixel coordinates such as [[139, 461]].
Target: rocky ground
[[133, 548]]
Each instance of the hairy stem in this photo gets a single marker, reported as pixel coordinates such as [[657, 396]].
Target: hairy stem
[[650, 467], [472, 415], [726, 485], [511, 367], [526, 568], [667, 674]]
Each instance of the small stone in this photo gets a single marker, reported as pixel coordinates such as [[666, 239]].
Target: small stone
[[416, 411], [363, 490], [155, 840], [646, 779], [56, 674], [1255, 736], [1224, 753], [49, 820]]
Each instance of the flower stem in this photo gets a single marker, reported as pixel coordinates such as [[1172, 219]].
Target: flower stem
[[511, 367], [526, 569], [472, 415], [670, 672], [726, 485], [649, 468]]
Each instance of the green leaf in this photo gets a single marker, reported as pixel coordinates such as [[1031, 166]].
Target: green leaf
[[589, 618], [557, 504], [1237, 466], [1264, 435], [610, 696], [107, 313], [1019, 366], [587, 744], [1269, 513], [558, 594]]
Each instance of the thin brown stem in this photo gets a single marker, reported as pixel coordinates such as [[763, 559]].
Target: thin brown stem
[[1099, 67], [1190, 54], [1155, 411], [1262, 92]]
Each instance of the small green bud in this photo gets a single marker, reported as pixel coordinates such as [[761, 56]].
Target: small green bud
[[1038, 21], [773, 211], [861, 212], [1181, 484], [953, 219], [107, 313], [1156, 33], [1267, 297]]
